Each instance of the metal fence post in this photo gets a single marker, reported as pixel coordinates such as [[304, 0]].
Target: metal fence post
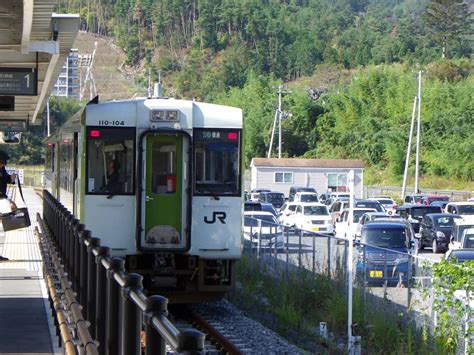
[[299, 248], [314, 252], [85, 235], [112, 316], [154, 342], [101, 297], [287, 250], [72, 227], [91, 283], [329, 257], [77, 255], [131, 320]]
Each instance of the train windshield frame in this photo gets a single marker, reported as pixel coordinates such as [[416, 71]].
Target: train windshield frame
[[217, 161], [110, 161]]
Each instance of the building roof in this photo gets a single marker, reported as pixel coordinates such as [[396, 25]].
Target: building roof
[[308, 163]]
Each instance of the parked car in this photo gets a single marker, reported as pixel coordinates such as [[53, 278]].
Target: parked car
[[332, 196], [260, 206], [467, 240], [384, 253], [286, 215], [435, 231], [338, 194], [465, 209], [261, 229], [246, 196], [372, 216], [255, 193], [295, 189], [306, 197], [413, 199], [340, 205], [337, 207], [441, 204], [277, 199], [387, 203], [459, 226], [369, 204], [343, 228], [313, 217], [324, 197], [427, 200], [459, 255], [415, 213]]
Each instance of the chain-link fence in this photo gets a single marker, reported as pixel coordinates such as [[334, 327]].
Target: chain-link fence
[[392, 277]]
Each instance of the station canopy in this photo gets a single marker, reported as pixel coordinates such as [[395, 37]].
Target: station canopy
[[34, 44]]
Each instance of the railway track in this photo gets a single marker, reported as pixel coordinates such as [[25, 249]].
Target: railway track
[[229, 331], [220, 339]]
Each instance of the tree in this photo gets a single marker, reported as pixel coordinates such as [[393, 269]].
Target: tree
[[447, 22]]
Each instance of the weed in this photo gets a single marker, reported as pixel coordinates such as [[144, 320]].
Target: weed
[[295, 304]]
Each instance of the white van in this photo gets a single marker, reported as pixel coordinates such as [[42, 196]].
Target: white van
[[459, 227], [306, 197]]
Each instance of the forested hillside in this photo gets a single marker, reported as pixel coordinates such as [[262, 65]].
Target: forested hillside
[[360, 57]]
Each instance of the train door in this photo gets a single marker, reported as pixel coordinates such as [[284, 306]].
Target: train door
[[165, 196]]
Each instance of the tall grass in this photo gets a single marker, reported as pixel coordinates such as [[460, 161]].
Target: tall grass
[[294, 304]]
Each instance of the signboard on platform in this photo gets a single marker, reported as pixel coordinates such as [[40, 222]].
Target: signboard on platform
[[19, 81]]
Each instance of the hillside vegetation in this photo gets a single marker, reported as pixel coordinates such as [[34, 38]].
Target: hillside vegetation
[[360, 57]]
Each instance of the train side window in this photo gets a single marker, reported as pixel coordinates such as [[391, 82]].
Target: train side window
[[110, 161], [217, 162]]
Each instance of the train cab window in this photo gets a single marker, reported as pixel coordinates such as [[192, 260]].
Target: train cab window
[[164, 163], [217, 162], [110, 161]]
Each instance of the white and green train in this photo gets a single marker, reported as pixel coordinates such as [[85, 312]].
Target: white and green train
[[173, 205]]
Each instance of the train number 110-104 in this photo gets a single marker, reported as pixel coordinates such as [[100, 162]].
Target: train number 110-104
[[111, 123]]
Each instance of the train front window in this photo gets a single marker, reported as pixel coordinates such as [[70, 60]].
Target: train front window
[[217, 162], [110, 161]]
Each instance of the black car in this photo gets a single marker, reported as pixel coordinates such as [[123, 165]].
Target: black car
[[415, 213], [435, 230], [295, 189], [277, 199]]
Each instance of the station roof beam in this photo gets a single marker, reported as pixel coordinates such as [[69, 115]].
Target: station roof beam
[[32, 37]]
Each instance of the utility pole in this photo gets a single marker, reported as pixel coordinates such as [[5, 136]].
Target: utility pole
[[279, 115], [407, 160], [418, 133]]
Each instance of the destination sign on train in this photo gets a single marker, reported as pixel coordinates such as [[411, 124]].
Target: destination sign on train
[[18, 81]]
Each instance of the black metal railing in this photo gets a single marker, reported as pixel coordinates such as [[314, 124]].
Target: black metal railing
[[112, 300]]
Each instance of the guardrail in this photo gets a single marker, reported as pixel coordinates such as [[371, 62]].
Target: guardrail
[[454, 195], [112, 300]]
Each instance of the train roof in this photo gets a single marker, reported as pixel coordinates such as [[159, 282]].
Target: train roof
[[198, 114]]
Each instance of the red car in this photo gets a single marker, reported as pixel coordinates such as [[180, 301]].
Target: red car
[[426, 200]]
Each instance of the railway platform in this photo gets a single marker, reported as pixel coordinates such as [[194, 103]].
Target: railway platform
[[26, 325]]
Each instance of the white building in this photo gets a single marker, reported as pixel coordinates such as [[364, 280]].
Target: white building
[[322, 174], [68, 80]]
